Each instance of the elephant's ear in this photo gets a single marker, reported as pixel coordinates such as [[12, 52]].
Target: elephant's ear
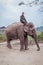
[[25, 29]]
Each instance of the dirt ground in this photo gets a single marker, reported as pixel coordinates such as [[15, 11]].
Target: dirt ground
[[16, 57]]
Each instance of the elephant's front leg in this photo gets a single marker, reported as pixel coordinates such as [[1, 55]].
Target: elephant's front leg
[[22, 45], [22, 42], [26, 43]]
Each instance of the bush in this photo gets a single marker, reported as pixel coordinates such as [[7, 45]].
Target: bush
[[2, 37], [40, 36]]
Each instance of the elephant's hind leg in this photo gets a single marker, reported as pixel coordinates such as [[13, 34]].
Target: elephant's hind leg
[[8, 44], [22, 45], [8, 38]]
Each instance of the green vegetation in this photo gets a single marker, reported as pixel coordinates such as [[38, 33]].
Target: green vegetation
[[40, 37], [2, 37]]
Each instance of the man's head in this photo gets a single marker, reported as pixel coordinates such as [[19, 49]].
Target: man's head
[[22, 13]]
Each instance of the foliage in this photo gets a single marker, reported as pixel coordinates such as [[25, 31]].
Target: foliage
[[2, 37], [40, 36]]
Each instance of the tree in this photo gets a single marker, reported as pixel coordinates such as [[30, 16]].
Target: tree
[[32, 3]]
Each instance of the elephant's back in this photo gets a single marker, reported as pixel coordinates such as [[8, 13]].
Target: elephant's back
[[13, 26]]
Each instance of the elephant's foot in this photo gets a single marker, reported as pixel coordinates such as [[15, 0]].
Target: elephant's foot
[[21, 49], [38, 49], [9, 46], [26, 48]]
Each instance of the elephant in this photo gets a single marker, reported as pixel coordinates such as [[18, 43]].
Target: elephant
[[20, 31]]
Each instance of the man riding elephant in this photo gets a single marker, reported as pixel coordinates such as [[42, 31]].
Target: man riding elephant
[[20, 31], [22, 19]]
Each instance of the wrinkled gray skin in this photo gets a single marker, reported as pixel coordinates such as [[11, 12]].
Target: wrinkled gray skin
[[19, 31]]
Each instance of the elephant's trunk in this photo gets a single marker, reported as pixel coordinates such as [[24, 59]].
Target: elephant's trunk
[[36, 41]]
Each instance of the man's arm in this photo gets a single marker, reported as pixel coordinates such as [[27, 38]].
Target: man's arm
[[25, 19]]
